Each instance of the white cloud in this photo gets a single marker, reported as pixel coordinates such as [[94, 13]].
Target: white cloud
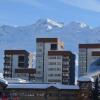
[[93, 5]]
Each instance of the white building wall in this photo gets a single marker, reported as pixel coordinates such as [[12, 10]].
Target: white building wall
[[60, 46], [14, 64], [42, 51], [30, 60], [82, 61], [47, 48], [39, 62], [54, 70]]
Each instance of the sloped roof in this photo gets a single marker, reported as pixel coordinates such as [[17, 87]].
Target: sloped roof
[[86, 79], [3, 81], [40, 86]]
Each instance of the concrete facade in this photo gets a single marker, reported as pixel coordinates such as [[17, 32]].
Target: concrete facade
[[88, 53], [17, 59], [50, 59]]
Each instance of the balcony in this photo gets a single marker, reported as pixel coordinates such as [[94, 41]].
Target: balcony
[[7, 64], [7, 69], [7, 75]]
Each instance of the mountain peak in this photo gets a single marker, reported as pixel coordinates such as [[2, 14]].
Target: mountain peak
[[78, 24], [54, 23], [49, 23]]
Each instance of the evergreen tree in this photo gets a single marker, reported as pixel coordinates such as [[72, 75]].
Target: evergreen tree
[[96, 90]]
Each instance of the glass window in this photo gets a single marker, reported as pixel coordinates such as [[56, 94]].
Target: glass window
[[52, 57], [52, 63], [53, 46], [21, 58], [59, 57], [21, 65]]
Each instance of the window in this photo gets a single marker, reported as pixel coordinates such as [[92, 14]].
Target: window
[[65, 80], [39, 50], [39, 55], [52, 69], [58, 69], [50, 74], [59, 63], [21, 65], [38, 72], [54, 80], [65, 74], [8, 58], [39, 44], [53, 46], [66, 63], [21, 58], [52, 63], [59, 57], [39, 66], [65, 69], [52, 57], [57, 75]]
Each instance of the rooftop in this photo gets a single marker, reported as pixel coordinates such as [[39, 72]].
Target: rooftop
[[86, 79], [89, 45], [47, 40], [16, 52], [61, 53], [2, 80], [41, 86]]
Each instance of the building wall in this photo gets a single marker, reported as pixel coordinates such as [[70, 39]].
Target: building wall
[[62, 65], [14, 64], [47, 47], [42, 60], [44, 94], [72, 69], [86, 58], [82, 61], [30, 62], [39, 62], [54, 69], [16, 59]]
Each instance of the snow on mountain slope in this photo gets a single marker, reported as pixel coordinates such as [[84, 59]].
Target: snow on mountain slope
[[23, 37]]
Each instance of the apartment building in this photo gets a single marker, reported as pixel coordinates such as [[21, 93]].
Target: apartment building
[[88, 53], [61, 67], [16, 61], [45, 47]]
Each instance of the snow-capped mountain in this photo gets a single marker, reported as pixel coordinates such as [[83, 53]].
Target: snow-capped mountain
[[23, 37], [48, 24]]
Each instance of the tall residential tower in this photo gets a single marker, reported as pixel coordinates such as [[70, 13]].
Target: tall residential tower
[[50, 56]]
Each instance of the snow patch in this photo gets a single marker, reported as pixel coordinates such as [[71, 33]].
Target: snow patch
[[49, 27], [54, 23], [86, 78], [83, 25]]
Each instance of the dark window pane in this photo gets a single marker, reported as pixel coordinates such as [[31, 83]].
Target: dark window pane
[[21, 59], [53, 46], [21, 65]]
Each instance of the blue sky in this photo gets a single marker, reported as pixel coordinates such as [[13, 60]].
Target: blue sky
[[24, 12]]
